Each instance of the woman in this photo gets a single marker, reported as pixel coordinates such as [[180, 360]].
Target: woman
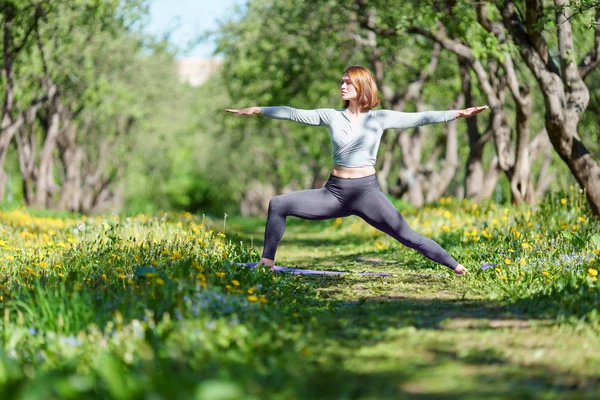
[[352, 188]]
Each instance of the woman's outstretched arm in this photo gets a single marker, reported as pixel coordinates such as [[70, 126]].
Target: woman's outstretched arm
[[404, 120], [320, 116]]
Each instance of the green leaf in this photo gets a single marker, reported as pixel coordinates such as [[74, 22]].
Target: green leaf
[[595, 240], [219, 390], [116, 377], [567, 235], [9, 369]]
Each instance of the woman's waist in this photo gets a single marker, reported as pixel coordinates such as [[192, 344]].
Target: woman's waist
[[352, 172]]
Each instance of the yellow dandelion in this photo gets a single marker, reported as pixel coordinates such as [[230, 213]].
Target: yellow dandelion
[[506, 261], [252, 298], [175, 255], [563, 201], [251, 290], [594, 279], [504, 278], [597, 252], [497, 269], [545, 273], [122, 276], [525, 245], [592, 272], [160, 281], [235, 282], [511, 251], [220, 274]]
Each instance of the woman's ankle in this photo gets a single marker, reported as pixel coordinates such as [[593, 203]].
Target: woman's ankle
[[266, 261], [460, 269]]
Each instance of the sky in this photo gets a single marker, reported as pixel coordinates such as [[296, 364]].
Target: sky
[[188, 19]]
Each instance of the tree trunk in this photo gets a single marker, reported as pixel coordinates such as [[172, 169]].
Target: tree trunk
[[474, 166], [70, 157], [44, 186], [521, 186], [565, 94], [26, 149], [8, 101], [438, 183]]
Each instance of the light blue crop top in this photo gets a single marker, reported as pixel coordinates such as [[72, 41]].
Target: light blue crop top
[[355, 144]]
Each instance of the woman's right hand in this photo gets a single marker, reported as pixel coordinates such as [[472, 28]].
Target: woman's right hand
[[245, 111]]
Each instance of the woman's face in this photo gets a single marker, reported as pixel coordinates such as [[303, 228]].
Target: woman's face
[[347, 88]]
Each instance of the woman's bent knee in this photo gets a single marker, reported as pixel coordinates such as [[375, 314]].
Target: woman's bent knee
[[277, 204]]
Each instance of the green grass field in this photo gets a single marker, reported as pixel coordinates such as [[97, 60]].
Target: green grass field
[[152, 307]]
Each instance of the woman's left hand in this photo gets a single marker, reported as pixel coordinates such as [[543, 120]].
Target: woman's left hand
[[469, 112]]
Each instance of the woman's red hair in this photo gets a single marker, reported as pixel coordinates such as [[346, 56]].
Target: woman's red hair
[[366, 88]]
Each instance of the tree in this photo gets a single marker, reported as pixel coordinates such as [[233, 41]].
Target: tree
[[566, 95], [455, 28], [19, 22], [101, 81]]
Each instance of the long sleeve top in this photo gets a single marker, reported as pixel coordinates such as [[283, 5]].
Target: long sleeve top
[[355, 144]]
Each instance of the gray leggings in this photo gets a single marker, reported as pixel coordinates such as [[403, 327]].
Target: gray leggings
[[343, 197]]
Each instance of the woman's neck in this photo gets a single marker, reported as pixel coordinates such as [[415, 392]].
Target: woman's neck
[[353, 108]]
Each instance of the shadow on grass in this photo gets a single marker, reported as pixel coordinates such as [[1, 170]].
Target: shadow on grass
[[406, 348]]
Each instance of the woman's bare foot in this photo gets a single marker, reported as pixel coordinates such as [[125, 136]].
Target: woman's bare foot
[[267, 262], [460, 270]]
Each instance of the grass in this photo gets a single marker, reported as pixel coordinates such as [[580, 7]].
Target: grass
[[154, 306]]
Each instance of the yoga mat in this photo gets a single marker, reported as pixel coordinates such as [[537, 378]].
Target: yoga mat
[[277, 268]]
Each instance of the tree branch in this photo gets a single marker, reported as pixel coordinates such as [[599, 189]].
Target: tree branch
[[535, 12], [592, 58], [366, 22], [520, 35], [570, 73]]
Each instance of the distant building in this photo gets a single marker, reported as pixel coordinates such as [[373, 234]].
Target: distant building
[[197, 70]]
